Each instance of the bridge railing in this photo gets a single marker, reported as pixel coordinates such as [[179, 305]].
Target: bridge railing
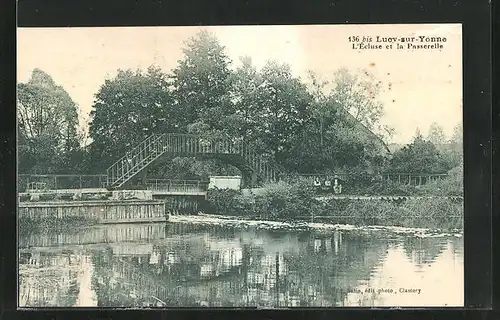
[[155, 145], [41, 182], [168, 185], [412, 178]]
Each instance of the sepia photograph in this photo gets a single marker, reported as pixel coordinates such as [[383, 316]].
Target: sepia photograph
[[240, 166]]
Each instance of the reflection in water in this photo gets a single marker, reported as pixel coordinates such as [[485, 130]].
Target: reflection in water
[[189, 265]]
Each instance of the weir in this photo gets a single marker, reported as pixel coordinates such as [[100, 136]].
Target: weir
[[100, 211]]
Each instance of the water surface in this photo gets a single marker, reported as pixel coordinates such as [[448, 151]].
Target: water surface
[[198, 265]]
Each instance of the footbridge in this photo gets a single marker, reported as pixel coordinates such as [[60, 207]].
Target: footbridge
[[253, 166]]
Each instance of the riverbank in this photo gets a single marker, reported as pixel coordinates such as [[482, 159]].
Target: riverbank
[[283, 201]]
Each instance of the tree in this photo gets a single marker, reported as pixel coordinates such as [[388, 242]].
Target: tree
[[457, 135], [436, 134], [245, 85], [321, 107], [126, 110], [419, 157], [201, 82], [455, 153], [418, 135], [358, 94], [284, 110], [334, 140], [48, 124], [202, 90]]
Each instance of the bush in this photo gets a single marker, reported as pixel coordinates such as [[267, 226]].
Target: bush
[[277, 201], [283, 201], [223, 201], [452, 185], [286, 200]]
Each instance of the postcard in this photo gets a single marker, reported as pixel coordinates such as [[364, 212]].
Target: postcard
[[240, 166]]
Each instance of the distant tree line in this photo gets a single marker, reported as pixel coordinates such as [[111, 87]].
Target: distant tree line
[[302, 126]]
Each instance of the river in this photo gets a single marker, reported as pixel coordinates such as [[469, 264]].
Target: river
[[195, 264]]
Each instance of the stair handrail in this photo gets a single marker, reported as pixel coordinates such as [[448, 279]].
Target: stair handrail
[[132, 169], [136, 147], [114, 177]]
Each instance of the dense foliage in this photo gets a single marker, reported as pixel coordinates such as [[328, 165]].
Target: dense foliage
[[301, 128], [423, 157], [47, 126], [286, 201], [301, 125], [127, 109]]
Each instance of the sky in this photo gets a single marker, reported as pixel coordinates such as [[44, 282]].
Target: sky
[[420, 86]]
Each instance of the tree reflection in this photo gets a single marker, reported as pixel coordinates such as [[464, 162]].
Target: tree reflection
[[424, 251], [187, 265]]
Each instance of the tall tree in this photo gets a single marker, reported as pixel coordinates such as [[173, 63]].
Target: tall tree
[[418, 135], [126, 110], [359, 94], [455, 152], [284, 109], [322, 107], [201, 82], [334, 140], [457, 135], [436, 134], [202, 90], [48, 124], [245, 85]]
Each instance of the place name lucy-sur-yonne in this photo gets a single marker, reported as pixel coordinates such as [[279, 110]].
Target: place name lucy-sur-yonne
[[380, 42]]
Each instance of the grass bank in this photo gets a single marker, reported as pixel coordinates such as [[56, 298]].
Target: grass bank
[[296, 201]]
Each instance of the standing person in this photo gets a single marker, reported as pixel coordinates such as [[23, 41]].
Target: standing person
[[328, 184], [337, 186], [317, 183]]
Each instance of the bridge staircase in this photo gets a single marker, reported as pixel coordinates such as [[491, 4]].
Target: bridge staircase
[[237, 153]]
